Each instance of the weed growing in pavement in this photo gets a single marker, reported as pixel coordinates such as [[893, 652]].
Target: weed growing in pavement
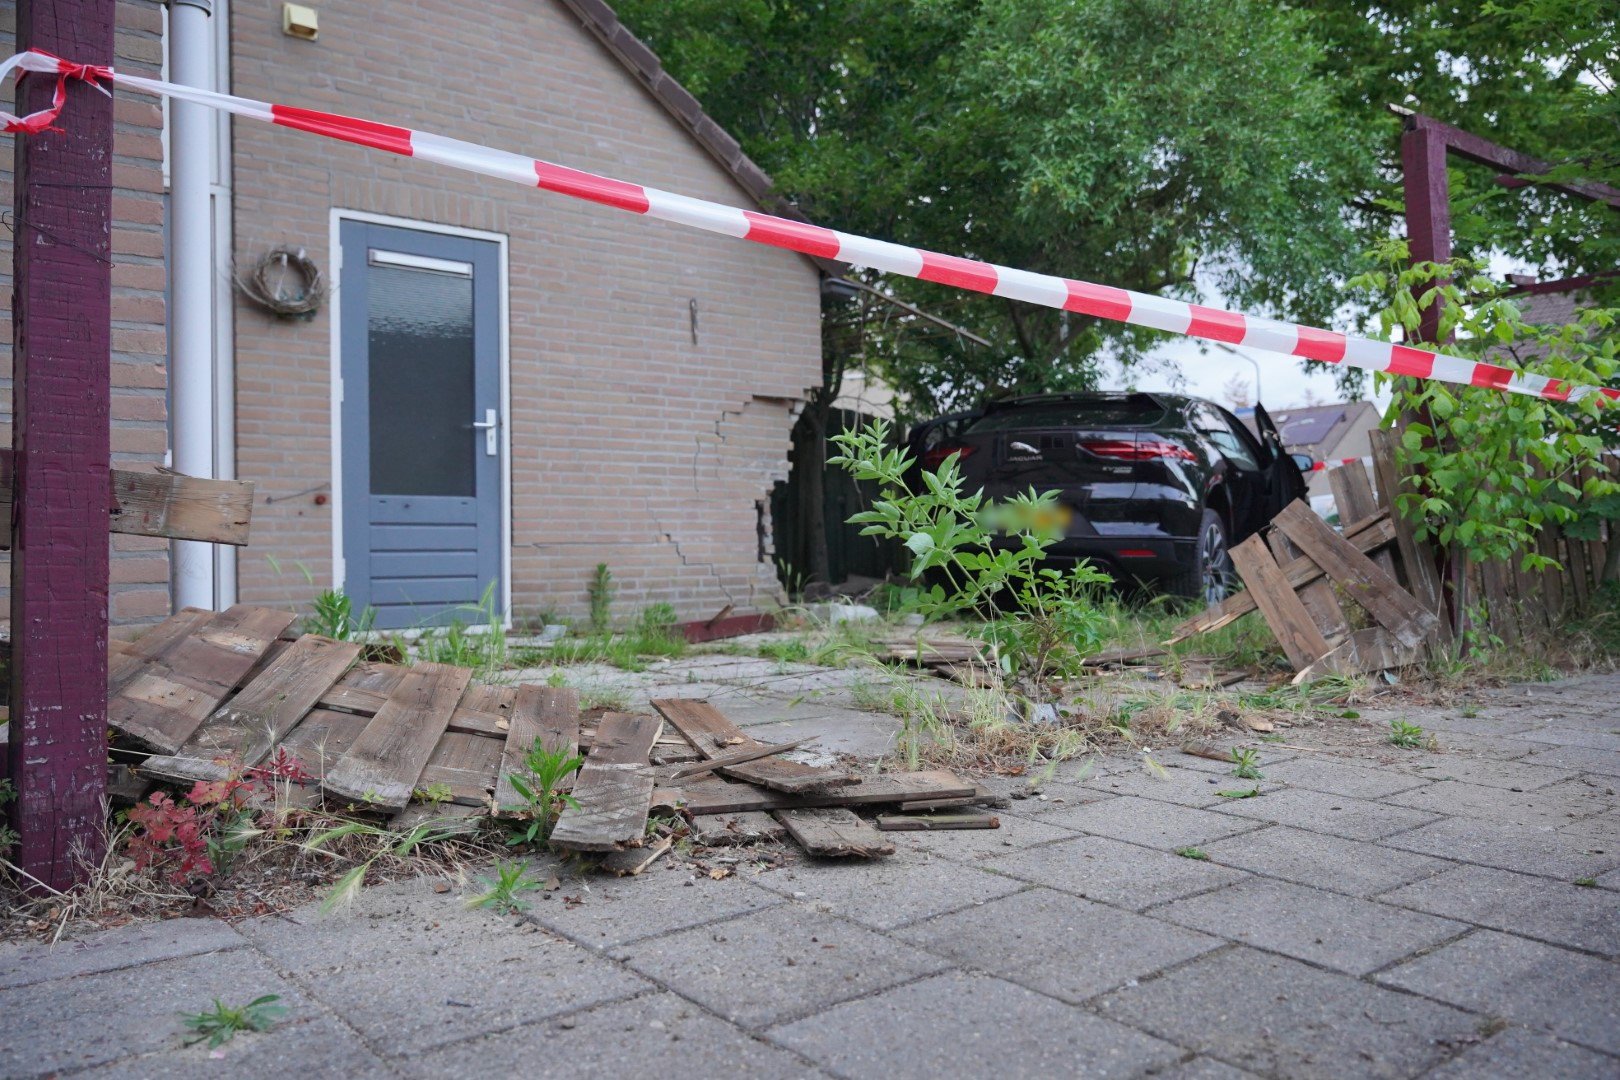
[[333, 616], [1586, 882], [1247, 762], [511, 878], [983, 558], [1406, 735], [457, 644], [384, 843], [1469, 712], [1193, 853], [539, 786], [223, 1022], [600, 593], [1240, 793], [791, 651]]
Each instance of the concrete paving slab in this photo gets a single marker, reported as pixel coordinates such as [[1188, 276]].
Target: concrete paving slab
[[1278, 1016], [1518, 1053], [301, 1045], [1572, 995], [1322, 861], [1337, 815], [1527, 849], [1563, 914], [655, 1035], [1051, 796], [1485, 722], [1114, 872], [1187, 787], [1341, 932], [1512, 776], [1058, 944], [74, 1023], [778, 964], [1148, 822], [1607, 738], [837, 731], [974, 846], [1580, 759], [1334, 777], [887, 893], [412, 970], [665, 898], [109, 950], [964, 1025], [1492, 747], [1202, 1068], [1558, 804]]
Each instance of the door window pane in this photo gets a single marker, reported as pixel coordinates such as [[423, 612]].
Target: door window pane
[[1215, 428], [420, 345]]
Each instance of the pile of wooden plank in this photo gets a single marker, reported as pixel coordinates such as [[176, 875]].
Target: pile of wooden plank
[[1306, 579], [208, 695]]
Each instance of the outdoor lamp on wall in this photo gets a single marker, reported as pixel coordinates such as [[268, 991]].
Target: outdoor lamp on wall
[[300, 22]]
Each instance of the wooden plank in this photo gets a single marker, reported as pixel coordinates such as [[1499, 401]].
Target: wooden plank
[[834, 832], [1372, 649], [1353, 492], [164, 504], [1367, 536], [712, 734], [321, 740], [1417, 559], [613, 790], [936, 822], [1292, 625], [381, 769], [628, 862], [441, 816], [161, 706], [1361, 579], [729, 830], [545, 714], [715, 796], [982, 796], [466, 764], [1496, 576], [124, 663], [1318, 597], [242, 731], [1578, 573], [364, 688], [737, 757], [485, 709]]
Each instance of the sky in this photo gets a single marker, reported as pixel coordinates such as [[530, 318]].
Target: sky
[[1185, 366]]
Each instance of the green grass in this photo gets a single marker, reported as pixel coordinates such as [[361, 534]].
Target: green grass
[[629, 651], [223, 1022], [1193, 853], [511, 878]]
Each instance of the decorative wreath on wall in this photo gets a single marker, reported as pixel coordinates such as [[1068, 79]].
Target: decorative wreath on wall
[[286, 283]]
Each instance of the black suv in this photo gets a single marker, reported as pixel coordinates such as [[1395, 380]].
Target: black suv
[[1155, 487]]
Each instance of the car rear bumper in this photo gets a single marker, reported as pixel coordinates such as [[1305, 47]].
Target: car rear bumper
[[1126, 557]]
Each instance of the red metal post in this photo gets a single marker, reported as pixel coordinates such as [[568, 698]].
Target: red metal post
[[61, 329], [1428, 206]]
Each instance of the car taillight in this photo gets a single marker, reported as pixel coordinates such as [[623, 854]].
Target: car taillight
[[1148, 450], [933, 459]]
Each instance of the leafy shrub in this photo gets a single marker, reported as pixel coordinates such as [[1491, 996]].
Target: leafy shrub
[[971, 556]]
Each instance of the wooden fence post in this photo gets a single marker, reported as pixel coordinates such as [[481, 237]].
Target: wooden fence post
[[61, 330]]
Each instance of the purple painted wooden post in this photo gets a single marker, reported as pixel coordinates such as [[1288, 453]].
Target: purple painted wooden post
[[1428, 207], [61, 330]]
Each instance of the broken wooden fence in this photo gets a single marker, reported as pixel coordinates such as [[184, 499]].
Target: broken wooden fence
[[207, 696]]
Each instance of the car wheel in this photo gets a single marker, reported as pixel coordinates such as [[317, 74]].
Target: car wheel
[[1210, 578]]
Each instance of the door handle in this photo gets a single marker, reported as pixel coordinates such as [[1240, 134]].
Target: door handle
[[490, 426]]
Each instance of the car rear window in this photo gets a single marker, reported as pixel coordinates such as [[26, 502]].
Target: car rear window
[[1117, 412]]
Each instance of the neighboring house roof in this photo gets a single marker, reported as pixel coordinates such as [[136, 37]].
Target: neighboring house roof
[[1317, 429], [644, 65]]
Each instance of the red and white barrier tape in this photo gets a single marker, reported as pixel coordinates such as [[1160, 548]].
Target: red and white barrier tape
[[1101, 301], [1339, 463]]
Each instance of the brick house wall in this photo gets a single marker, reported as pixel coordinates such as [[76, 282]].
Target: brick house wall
[[140, 565], [631, 443]]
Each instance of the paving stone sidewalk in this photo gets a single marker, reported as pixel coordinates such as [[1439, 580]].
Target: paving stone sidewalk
[[1374, 912]]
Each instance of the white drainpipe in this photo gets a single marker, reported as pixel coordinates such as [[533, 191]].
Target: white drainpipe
[[191, 299]]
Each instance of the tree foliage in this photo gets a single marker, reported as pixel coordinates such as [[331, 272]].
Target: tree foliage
[[1137, 142]]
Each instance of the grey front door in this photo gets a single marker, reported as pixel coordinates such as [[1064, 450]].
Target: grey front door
[[421, 407]]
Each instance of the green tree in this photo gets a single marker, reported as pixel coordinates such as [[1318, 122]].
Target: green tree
[[1137, 142]]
